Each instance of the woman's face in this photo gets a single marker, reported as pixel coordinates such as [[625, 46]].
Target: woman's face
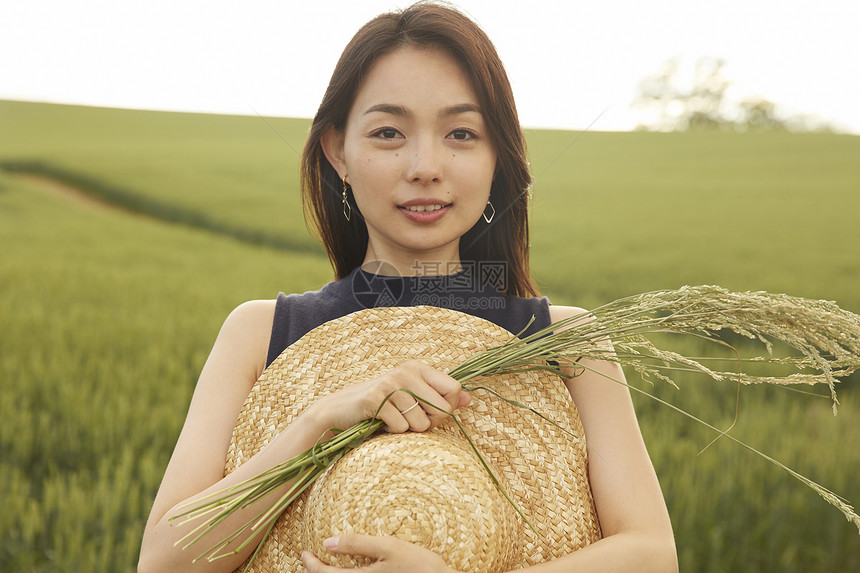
[[418, 156]]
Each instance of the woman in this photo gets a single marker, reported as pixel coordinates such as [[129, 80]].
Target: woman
[[415, 159]]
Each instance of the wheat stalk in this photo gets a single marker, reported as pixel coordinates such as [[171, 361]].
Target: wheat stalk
[[826, 337]]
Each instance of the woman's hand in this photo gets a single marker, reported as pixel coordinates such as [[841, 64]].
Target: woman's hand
[[390, 554], [401, 412]]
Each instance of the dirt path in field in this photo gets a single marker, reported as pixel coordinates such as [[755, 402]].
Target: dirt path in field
[[70, 193]]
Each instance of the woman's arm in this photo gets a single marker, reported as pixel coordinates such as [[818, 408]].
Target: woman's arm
[[197, 464], [196, 467], [637, 532]]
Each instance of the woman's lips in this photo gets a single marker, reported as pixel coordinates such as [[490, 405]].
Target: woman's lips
[[425, 213]]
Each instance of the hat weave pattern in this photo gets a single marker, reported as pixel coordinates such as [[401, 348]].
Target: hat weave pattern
[[427, 488]]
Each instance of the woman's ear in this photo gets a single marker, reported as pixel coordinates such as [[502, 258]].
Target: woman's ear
[[332, 146]]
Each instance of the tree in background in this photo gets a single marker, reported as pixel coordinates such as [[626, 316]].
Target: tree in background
[[674, 100]]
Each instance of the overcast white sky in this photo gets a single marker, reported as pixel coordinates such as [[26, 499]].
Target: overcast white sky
[[569, 61]]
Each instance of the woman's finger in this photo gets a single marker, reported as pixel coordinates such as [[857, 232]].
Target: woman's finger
[[415, 404], [375, 547], [448, 389], [418, 397], [389, 554], [404, 400], [429, 384], [314, 565], [404, 412]]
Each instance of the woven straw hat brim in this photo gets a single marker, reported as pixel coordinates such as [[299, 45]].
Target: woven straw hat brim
[[543, 469]]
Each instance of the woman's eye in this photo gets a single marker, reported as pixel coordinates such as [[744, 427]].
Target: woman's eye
[[387, 133], [463, 134]]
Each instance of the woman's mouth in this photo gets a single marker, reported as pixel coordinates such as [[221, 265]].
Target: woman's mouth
[[422, 208], [427, 213]]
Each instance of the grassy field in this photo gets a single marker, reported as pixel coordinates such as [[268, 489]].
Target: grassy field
[[108, 315], [233, 175]]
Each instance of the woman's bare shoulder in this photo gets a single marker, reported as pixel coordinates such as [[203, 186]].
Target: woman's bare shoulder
[[246, 332], [557, 312], [250, 319], [253, 313]]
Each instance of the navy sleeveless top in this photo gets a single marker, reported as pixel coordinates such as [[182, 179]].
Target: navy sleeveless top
[[473, 290]]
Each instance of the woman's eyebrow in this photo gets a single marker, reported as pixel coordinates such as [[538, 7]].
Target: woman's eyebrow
[[392, 109], [458, 109], [401, 111]]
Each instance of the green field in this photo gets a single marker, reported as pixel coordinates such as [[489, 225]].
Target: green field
[[107, 314]]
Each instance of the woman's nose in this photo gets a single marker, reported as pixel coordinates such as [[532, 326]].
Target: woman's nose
[[425, 165]]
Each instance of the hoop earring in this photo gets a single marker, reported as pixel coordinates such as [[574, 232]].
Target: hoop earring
[[492, 214], [347, 210]]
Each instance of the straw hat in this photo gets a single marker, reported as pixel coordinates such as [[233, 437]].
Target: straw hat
[[427, 488]]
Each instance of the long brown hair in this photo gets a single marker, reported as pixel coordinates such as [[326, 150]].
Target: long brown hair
[[426, 24]]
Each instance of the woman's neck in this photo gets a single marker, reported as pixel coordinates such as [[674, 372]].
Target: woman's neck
[[437, 263]]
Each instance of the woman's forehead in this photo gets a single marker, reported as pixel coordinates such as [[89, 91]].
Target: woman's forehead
[[410, 78]]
